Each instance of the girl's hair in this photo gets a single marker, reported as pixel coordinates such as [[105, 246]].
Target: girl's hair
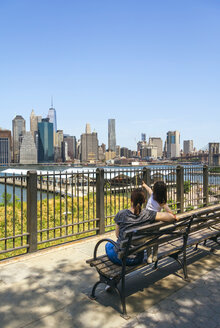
[[160, 192], [137, 198]]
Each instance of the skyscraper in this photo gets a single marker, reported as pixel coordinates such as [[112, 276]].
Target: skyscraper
[[52, 116], [143, 137], [28, 150], [5, 147], [71, 146], [157, 142], [34, 120], [173, 144], [89, 147], [187, 146], [18, 128], [45, 141], [111, 135]]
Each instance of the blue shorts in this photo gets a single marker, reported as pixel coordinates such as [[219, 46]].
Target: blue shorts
[[113, 256]]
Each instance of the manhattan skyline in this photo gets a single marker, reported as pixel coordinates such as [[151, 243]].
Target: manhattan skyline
[[154, 67]]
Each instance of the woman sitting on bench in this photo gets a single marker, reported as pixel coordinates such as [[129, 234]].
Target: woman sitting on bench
[[132, 218]]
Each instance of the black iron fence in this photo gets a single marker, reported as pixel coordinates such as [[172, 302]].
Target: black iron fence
[[38, 211]]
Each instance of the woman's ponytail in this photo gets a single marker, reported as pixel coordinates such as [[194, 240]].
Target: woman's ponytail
[[137, 198]]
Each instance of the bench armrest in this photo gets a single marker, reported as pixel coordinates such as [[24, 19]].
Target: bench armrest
[[100, 242]]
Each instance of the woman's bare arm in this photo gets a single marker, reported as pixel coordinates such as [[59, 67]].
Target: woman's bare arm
[[147, 188], [167, 209], [165, 217]]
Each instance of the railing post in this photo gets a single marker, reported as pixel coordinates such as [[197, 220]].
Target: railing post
[[205, 185], [100, 201], [32, 210], [180, 188], [147, 180]]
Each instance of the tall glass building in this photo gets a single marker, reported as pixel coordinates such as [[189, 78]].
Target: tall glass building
[[45, 141], [111, 135], [52, 116]]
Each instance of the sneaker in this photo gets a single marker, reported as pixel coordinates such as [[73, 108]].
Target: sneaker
[[149, 259]]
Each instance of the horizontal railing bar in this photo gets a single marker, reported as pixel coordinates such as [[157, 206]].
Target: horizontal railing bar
[[67, 225], [14, 249], [66, 236], [14, 237]]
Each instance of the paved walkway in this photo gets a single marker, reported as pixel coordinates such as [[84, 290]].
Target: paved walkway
[[50, 289]]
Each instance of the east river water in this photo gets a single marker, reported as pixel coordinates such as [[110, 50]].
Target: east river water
[[79, 169]]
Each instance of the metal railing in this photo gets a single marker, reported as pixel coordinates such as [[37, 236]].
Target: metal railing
[[42, 210]]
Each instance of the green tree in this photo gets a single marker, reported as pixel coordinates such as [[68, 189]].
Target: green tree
[[187, 186], [6, 198]]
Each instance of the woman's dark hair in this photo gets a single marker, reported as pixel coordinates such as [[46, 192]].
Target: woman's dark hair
[[137, 198], [160, 192]]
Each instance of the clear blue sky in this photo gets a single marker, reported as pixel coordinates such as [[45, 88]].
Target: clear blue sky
[[154, 66]]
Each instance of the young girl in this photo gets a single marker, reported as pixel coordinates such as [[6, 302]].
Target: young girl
[[156, 202]]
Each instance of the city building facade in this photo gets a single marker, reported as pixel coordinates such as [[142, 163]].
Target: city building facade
[[34, 120], [187, 146], [157, 142], [18, 130], [5, 147], [28, 150], [173, 144], [89, 147], [45, 141], [111, 135]]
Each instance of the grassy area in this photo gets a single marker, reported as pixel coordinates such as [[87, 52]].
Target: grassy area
[[57, 212]]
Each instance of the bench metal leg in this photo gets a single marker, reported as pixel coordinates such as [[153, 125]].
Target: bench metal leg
[[123, 301], [215, 239], [92, 296]]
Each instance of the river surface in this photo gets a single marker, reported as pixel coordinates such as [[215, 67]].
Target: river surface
[[197, 178]]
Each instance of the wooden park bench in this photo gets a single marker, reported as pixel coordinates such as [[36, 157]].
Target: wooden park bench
[[193, 228]]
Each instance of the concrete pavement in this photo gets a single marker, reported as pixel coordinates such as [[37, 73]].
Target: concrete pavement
[[50, 289]]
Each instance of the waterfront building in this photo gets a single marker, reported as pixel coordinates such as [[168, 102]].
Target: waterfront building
[[28, 150], [143, 137], [118, 151], [65, 156], [101, 154], [5, 147], [18, 130], [89, 146], [58, 144], [187, 146], [103, 148], [157, 142], [52, 116], [124, 152], [45, 141], [173, 144], [34, 120], [141, 144], [71, 146], [214, 153], [110, 155], [111, 135]]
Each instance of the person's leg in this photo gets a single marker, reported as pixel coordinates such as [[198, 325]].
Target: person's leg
[[155, 252], [149, 255], [112, 255]]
